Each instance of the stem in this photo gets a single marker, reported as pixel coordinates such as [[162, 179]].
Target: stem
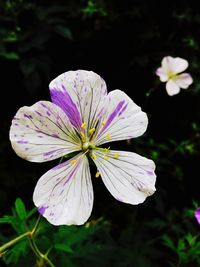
[[34, 247], [12, 242], [36, 226], [30, 235]]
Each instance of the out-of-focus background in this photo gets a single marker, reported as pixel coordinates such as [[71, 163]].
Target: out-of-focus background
[[124, 42]]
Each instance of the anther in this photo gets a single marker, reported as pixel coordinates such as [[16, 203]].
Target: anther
[[116, 155], [97, 174], [108, 136], [93, 157], [92, 130], [83, 125], [73, 161]]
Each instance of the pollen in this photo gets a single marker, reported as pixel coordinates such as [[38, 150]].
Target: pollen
[[93, 157], [106, 158], [116, 155], [73, 161], [97, 174], [83, 125], [103, 123], [108, 136], [92, 130]]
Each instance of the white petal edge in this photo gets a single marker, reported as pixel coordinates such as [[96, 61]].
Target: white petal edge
[[172, 88], [179, 65], [162, 74], [174, 65], [42, 132], [184, 80], [64, 195], [120, 119], [130, 178]]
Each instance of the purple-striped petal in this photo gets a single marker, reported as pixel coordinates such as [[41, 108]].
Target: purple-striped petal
[[64, 195], [120, 119], [43, 132], [80, 94], [129, 177]]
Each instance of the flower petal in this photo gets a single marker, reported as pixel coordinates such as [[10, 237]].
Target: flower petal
[[172, 88], [197, 215], [162, 74], [129, 177], [42, 132], [184, 80], [80, 94], [64, 195], [120, 119], [174, 65], [167, 64], [179, 65]]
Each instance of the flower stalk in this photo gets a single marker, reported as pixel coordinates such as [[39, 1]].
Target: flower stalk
[[30, 235]]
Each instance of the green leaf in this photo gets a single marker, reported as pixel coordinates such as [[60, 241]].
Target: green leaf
[[7, 219], [168, 242], [191, 239], [16, 252], [9, 55], [181, 245], [20, 208], [63, 247]]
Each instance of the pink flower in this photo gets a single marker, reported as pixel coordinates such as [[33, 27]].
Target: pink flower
[[197, 215], [169, 72], [80, 118]]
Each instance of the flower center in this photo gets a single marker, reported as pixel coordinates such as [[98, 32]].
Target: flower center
[[85, 146], [172, 75]]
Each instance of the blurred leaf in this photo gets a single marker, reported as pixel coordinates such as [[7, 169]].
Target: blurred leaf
[[10, 37], [63, 247], [20, 208], [14, 254], [191, 239], [168, 242], [7, 219], [9, 55], [63, 31], [181, 245]]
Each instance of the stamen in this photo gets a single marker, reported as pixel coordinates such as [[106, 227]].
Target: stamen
[[73, 161], [108, 136], [83, 125], [97, 174], [93, 157], [92, 130], [103, 123], [107, 150], [106, 158], [116, 155], [83, 135]]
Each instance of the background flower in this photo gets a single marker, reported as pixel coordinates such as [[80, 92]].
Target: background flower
[[197, 215], [169, 73]]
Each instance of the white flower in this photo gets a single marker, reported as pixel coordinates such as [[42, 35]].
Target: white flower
[[80, 118], [169, 72]]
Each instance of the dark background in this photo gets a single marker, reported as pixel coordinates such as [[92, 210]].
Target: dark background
[[124, 42]]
